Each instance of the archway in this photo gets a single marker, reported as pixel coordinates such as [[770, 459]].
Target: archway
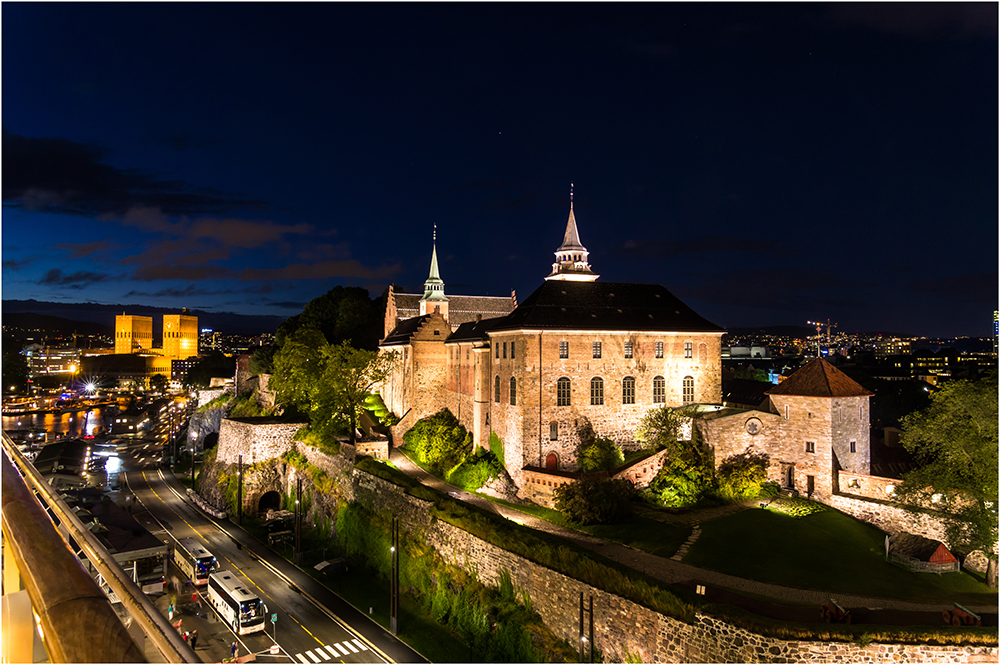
[[211, 440], [268, 501]]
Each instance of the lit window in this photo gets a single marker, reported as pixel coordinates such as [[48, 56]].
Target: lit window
[[688, 389], [596, 391], [810, 447], [496, 389], [659, 349], [659, 390], [688, 349], [513, 391], [628, 390], [597, 349], [564, 349], [562, 392], [628, 349]]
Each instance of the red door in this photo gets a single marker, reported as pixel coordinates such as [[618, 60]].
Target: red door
[[552, 462]]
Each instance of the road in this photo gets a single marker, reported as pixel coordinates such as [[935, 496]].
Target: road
[[306, 631]]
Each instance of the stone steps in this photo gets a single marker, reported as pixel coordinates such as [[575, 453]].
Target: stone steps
[[683, 549]]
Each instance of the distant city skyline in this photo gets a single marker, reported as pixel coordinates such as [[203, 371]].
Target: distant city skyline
[[768, 164]]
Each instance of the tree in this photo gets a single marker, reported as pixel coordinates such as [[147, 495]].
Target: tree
[[439, 441], [158, 382], [327, 382], [660, 428], [594, 499], [341, 314], [262, 360], [741, 476], [211, 366], [954, 443]]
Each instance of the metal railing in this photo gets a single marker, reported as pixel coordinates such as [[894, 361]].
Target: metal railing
[[76, 617]]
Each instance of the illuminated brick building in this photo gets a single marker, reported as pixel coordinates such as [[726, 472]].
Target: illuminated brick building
[[133, 333]]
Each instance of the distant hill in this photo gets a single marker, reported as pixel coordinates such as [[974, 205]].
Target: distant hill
[[779, 331], [54, 324], [226, 323]]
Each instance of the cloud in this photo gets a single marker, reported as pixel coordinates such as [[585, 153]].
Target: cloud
[[322, 270], [62, 176], [77, 280], [297, 306], [15, 265], [150, 273], [706, 244], [82, 249], [243, 233]]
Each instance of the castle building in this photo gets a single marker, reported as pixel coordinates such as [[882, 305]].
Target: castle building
[[576, 355]]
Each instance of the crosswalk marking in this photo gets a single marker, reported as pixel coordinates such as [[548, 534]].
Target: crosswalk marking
[[302, 658], [360, 645], [351, 647], [314, 657], [342, 649], [321, 652], [333, 651]]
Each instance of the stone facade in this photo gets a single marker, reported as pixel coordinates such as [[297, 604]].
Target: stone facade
[[257, 439], [207, 395], [416, 388]]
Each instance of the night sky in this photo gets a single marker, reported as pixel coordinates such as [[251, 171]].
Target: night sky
[[768, 164]]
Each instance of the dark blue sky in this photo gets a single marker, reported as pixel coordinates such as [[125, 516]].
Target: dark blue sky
[[767, 163]]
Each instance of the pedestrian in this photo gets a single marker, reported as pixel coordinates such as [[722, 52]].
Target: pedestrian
[[193, 640], [233, 649], [186, 635]]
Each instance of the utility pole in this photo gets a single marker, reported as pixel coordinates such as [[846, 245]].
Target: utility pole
[[394, 579], [298, 521], [239, 494]]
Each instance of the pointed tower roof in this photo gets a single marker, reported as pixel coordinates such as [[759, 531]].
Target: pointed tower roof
[[433, 285], [818, 378], [571, 258]]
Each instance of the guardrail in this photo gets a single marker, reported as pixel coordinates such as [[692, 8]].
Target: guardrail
[[77, 620]]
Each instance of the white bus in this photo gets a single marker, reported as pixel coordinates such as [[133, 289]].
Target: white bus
[[238, 607], [194, 560]]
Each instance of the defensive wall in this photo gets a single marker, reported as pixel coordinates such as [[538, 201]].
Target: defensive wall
[[622, 627], [206, 395]]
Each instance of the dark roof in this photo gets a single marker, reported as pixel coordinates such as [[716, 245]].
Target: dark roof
[[474, 330], [123, 533], [818, 378], [920, 548], [745, 391], [404, 330], [461, 309], [605, 306], [70, 454]]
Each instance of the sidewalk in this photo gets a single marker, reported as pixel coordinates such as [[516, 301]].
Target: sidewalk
[[668, 570]]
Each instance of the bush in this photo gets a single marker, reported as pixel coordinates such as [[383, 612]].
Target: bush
[[599, 454], [439, 441], [496, 447], [742, 476], [595, 500], [476, 470]]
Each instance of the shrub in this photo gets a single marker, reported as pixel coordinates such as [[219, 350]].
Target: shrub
[[476, 470], [599, 454], [741, 476], [595, 500], [687, 476], [496, 447], [439, 441]]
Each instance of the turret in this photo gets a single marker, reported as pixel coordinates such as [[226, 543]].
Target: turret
[[571, 258], [434, 299]]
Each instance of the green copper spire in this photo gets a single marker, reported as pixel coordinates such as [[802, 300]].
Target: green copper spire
[[434, 286]]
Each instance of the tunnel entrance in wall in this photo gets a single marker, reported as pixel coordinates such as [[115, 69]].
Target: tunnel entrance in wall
[[269, 501], [210, 441]]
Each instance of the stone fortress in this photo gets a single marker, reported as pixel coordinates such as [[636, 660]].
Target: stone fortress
[[581, 354]]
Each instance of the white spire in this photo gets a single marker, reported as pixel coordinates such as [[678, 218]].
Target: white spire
[[571, 257]]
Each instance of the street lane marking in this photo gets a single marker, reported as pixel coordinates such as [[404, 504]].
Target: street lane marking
[[302, 658], [346, 652], [333, 651], [350, 646], [360, 645], [314, 657], [321, 652]]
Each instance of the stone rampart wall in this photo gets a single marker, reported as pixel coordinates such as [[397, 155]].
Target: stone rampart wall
[[206, 395], [624, 627], [257, 442], [864, 486]]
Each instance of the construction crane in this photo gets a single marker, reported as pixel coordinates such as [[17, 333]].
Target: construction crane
[[819, 328]]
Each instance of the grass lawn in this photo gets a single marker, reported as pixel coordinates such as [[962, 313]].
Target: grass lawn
[[826, 551], [644, 534]]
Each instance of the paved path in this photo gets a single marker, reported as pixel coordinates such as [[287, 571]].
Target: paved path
[[669, 570]]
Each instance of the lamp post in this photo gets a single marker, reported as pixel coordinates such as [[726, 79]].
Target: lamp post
[[394, 579], [298, 521], [239, 495]]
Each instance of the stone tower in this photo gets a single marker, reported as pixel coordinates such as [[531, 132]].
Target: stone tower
[[571, 258]]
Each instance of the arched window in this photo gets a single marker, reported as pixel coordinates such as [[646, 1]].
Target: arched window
[[562, 392], [688, 389], [596, 391], [513, 391], [659, 390], [496, 389], [628, 390]]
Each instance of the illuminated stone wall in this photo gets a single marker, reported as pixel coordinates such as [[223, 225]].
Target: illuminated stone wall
[[257, 439]]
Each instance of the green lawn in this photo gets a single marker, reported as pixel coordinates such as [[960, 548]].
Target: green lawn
[[644, 534], [826, 551]]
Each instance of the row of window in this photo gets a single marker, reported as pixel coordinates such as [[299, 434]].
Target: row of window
[[811, 446], [501, 348], [564, 390]]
